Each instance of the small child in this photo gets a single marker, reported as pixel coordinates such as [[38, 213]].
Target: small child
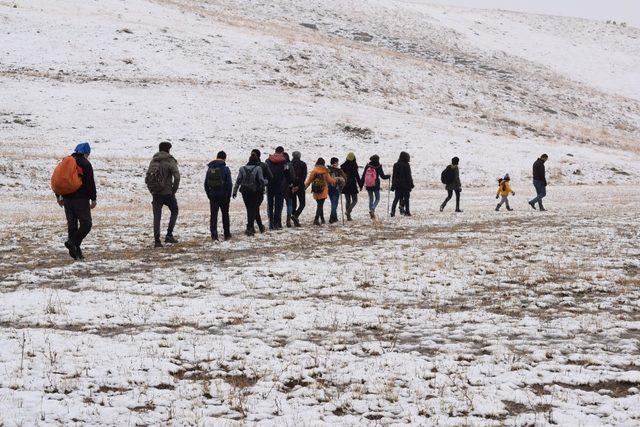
[[503, 190]]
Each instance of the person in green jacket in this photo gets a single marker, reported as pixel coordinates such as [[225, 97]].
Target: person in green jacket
[[453, 184], [163, 180]]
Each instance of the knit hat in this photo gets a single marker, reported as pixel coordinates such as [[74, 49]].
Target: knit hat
[[507, 177], [83, 148], [455, 161], [351, 157], [296, 155], [164, 146]]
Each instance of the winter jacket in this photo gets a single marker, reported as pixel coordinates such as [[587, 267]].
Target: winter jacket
[[539, 171], [266, 172], [380, 175], [254, 174], [338, 173], [290, 180], [328, 180], [455, 183], [88, 188], [169, 166], [225, 191], [350, 168], [402, 179], [300, 171], [276, 164], [504, 188]]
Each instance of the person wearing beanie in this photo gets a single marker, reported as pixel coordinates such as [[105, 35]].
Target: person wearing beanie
[[163, 181], [319, 179], [276, 188], [504, 189], [539, 182], [251, 183], [298, 199], [451, 179], [402, 184], [266, 173], [79, 203], [218, 186], [371, 177], [335, 190], [353, 182]]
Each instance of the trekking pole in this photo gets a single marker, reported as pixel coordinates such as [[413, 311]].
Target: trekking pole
[[341, 209], [388, 196]]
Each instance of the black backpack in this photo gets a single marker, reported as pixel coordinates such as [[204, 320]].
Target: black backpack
[[155, 177], [447, 176], [250, 179], [215, 182]]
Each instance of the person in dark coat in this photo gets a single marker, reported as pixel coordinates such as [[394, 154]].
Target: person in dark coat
[[78, 205], [267, 175], [350, 190], [290, 189], [402, 184], [539, 182], [276, 188], [251, 183], [218, 185], [373, 186], [454, 185], [165, 196], [335, 190], [298, 200]]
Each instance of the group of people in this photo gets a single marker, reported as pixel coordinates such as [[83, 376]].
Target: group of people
[[284, 179]]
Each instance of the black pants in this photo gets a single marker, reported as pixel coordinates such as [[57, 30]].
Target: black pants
[[449, 195], [275, 202], [160, 200], [350, 200], [401, 196], [258, 218], [320, 210], [78, 213], [252, 204], [299, 201], [221, 205]]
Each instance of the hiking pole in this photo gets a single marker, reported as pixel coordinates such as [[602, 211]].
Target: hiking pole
[[341, 209], [388, 196]]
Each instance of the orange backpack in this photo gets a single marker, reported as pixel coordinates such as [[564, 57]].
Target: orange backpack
[[66, 177]]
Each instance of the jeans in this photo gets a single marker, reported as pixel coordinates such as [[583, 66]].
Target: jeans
[[298, 201], [350, 200], [160, 200], [449, 195], [374, 198], [275, 201], [252, 204], [78, 213], [290, 202], [221, 205], [401, 196], [334, 197], [541, 192]]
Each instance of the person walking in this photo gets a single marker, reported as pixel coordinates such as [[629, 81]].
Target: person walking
[[290, 189], [451, 178], [504, 189], [539, 182], [353, 182], [251, 183], [319, 179], [266, 173], [276, 188], [402, 184], [335, 190], [217, 185], [75, 189], [163, 181], [371, 176], [298, 199]]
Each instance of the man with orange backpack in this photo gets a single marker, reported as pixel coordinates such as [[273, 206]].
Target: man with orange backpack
[[75, 189]]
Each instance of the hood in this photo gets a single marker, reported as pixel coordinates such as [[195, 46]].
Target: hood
[[320, 169], [162, 155], [277, 158], [404, 157], [217, 162]]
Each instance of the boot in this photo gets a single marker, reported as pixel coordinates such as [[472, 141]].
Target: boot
[[333, 219], [295, 221], [393, 213], [80, 256], [288, 221], [73, 249], [261, 228], [442, 207], [170, 239], [372, 214], [157, 244], [322, 219], [250, 231], [214, 237], [407, 213], [541, 208], [227, 237], [498, 207], [533, 205], [348, 216], [316, 221]]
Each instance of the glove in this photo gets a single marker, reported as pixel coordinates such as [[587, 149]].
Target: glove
[[393, 189], [497, 197], [234, 195], [513, 193]]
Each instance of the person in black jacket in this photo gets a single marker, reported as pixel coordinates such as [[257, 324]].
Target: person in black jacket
[[373, 170], [268, 176], [350, 190], [298, 199], [290, 188], [539, 182], [402, 184], [218, 185], [78, 205], [275, 188]]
